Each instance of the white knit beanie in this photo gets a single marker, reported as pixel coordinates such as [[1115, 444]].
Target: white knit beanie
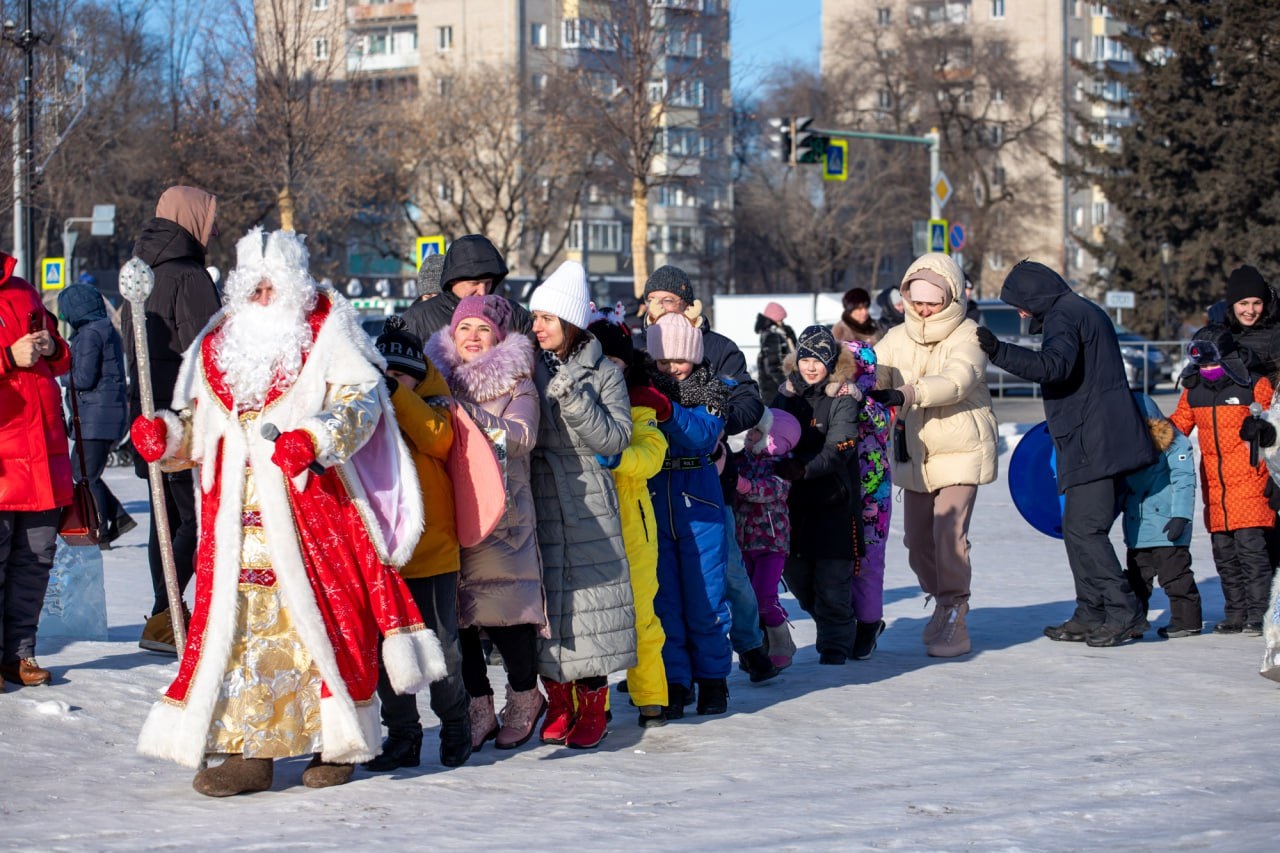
[[564, 294], [674, 338]]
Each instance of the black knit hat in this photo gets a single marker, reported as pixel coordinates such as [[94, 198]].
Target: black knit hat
[[817, 342], [670, 280], [401, 348], [1246, 282], [614, 338]]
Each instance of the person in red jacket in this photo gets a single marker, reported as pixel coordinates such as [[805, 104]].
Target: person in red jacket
[[35, 477], [1219, 389]]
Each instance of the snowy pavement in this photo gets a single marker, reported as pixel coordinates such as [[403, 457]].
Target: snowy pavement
[[1025, 744]]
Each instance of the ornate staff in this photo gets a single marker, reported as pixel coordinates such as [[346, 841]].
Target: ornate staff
[[136, 282]]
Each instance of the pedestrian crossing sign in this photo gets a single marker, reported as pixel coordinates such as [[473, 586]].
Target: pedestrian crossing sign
[[938, 235], [433, 245], [53, 273]]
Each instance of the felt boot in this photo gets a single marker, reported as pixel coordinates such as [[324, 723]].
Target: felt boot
[[326, 774], [235, 775]]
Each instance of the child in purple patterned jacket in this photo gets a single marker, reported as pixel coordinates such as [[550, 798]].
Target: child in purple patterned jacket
[[763, 523]]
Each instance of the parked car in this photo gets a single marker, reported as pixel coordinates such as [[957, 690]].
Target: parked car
[[1145, 365]]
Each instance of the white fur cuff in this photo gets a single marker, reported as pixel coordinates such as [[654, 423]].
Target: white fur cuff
[[175, 433], [413, 660]]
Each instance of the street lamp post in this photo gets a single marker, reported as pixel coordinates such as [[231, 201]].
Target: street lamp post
[[1166, 264]]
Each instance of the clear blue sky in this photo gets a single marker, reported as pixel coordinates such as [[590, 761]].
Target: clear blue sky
[[768, 32]]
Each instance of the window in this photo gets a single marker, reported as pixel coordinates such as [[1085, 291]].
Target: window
[[444, 85], [688, 93], [997, 95], [1099, 213], [444, 38], [681, 43], [572, 35], [884, 16], [601, 236], [538, 35], [377, 44], [997, 135], [997, 8], [1099, 48], [444, 191], [682, 142], [884, 99], [1077, 216], [675, 195], [319, 5], [998, 176], [1077, 8], [1077, 50], [886, 265], [1100, 10], [320, 49], [538, 82]]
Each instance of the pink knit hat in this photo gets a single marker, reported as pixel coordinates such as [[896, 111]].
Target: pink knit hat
[[775, 312], [494, 310], [674, 338]]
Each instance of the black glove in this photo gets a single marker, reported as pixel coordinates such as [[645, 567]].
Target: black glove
[[887, 396], [1175, 527], [987, 340], [1272, 494], [789, 469], [1256, 429]]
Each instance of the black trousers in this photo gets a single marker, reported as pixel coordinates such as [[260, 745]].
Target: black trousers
[[27, 541], [96, 451], [1103, 594], [180, 501], [1172, 567], [1245, 569], [437, 598], [519, 647], [822, 588]]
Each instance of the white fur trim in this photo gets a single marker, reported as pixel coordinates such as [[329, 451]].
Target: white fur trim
[[765, 424], [346, 737], [413, 659], [167, 733], [174, 433]]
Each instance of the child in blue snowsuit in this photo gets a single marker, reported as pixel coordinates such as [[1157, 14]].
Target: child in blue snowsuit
[[1159, 501], [689, 401]]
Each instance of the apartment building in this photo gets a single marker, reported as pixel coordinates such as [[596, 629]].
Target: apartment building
[[422, 45], [1041, 34]]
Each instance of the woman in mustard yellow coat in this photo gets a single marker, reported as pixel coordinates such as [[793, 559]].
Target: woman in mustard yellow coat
[[647, 680]]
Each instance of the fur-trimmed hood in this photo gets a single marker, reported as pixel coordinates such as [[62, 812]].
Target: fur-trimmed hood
[[488, 375], [847, 372], [1162, 432]]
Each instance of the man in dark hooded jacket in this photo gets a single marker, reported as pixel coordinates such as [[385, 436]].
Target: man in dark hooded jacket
[[1098, 434], [183, 299], [472, 267]]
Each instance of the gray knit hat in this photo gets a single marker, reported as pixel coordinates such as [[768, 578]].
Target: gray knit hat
[[429, 274], [671, 280]]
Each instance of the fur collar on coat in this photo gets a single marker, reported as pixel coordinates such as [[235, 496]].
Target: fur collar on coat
[[487, 376], [846, 373]]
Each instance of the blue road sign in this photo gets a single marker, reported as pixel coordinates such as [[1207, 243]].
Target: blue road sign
[[956, 235], [937, 235], [836, 167]]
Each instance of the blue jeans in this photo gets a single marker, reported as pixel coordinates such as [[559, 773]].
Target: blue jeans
[[744, 633]]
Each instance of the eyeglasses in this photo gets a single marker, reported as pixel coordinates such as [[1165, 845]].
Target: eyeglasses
[[1204, 352], [665, 301]]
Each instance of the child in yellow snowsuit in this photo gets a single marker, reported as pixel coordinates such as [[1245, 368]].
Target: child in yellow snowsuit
[[647, 680]]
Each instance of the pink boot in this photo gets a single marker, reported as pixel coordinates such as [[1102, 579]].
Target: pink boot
[[519, 716], [484, 723]]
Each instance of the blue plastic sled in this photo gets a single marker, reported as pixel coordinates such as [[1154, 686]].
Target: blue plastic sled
[[1033, 481]]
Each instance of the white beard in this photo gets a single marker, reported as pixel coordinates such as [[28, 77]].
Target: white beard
[[262, 346]]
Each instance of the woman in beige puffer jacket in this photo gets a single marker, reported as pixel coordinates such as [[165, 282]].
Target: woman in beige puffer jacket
[[932, 368]]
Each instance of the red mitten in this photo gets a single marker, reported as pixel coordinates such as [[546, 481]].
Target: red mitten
[[744, 485], [294, 452], [149, 437], [654, 399]]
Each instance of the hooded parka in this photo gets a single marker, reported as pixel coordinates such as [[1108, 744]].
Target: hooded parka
[[1164, 490], [97, 365], [500, 583], [585, 411], [1097, 429], [35, 471], [950, 427], [469, 257]]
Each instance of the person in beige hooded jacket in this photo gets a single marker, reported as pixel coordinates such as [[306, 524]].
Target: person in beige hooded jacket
[[933, 370]]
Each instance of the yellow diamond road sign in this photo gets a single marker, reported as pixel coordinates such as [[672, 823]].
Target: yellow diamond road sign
[[942, 190]]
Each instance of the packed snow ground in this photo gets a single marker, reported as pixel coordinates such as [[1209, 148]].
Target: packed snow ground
[[1025, 744]]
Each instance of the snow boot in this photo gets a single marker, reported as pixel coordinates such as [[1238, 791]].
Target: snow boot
[[519, 716], [782, 648], [157, 634], [455, 741], [713, 696], [26, 672], [677, 695], [560, 717], [758, 664], [864, 638], [326, 774], [934, 624], [1070, 631], [590, 727], [953, 640], [652, 716], [235, 775], [397, 751], [484, 723]]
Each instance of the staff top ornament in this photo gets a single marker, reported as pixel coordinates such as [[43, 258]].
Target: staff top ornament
[[136, 281]]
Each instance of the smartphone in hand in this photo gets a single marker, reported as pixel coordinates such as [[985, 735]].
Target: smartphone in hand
[[35, 322]]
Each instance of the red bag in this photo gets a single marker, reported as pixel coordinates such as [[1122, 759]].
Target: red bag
[[80, 523]]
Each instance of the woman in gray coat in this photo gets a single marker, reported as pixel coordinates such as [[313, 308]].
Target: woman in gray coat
[[584, 427], [490, 373]]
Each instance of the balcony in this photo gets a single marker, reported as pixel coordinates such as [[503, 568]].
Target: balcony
[[381, 62], [364, 13]]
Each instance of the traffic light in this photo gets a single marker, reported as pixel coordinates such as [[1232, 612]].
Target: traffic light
[[808, 146], [779, 141]]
